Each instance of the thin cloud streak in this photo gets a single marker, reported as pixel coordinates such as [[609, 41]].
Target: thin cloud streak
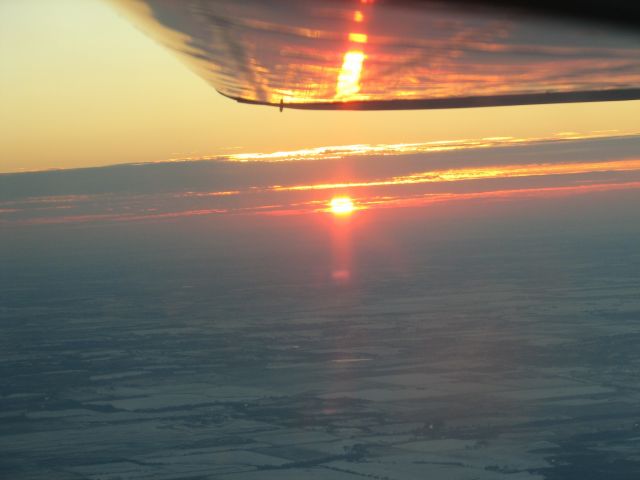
[[457, 175], [364, 203], [549, 192], [342, 151]]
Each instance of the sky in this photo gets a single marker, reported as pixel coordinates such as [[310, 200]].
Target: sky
[[81, 86], [432, 175]]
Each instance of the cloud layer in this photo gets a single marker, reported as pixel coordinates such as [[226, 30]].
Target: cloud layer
[[303, 182]]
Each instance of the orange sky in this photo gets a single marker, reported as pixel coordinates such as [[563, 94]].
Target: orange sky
[[504, 169], [82, 87]]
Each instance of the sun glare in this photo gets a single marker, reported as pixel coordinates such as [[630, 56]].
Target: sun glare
[[341, 206], [349, 77]]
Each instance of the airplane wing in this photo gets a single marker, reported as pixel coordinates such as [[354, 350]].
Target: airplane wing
[[377, 55]]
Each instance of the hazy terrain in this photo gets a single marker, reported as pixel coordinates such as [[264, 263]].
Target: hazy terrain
[[475, 339]]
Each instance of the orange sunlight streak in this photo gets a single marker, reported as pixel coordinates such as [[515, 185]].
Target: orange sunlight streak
[[351, 71], [341, 262], [349, 77], [358, 37]]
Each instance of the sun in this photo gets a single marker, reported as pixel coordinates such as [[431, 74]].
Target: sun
[[341, 206]]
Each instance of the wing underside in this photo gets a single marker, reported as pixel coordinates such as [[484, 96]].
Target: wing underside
[[378, 55]]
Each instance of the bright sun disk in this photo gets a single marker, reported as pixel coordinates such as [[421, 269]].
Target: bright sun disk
[[341, 206]]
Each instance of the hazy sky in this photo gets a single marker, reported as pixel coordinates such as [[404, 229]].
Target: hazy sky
[[80, 86], [425, 175]]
